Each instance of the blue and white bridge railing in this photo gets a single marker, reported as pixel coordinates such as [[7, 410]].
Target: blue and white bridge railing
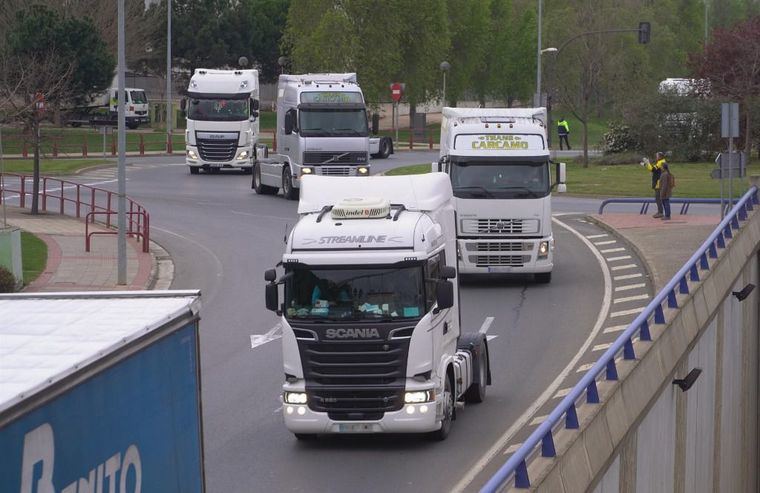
[[565, 415]]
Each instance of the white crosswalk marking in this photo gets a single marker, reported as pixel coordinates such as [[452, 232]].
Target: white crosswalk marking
[[626, 299], [626, 312], [623, 267], [512, 448], [615, 259], [615, 328], [591, 237], [612, 250], [629, 287], [602, 347], [607, 242], [562, 392], [627, 276], [585, 367], [538, 420]]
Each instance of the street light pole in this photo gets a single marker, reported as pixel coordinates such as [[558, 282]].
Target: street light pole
[[537, 99], [168, 74], [121, 170], [445, 67]]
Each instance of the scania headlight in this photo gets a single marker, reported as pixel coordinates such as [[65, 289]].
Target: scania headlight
[[307, 171], [191, 154], [543, 249], [362, 170], [242, 155], [295, 397], [419, 396]]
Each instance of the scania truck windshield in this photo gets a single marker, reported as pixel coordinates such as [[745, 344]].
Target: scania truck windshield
[[355, 294], [333, 122], [223, 110], [500, 179]]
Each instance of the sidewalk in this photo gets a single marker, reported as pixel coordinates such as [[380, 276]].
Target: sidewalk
[[71, 268], [663, 245]]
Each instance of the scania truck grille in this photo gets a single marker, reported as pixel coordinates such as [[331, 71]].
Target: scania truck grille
[[354, 380], [217, 150], [499, 260], [314, 158]]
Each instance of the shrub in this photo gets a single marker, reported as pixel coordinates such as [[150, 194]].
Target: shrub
[[619, 138], [7, 281]]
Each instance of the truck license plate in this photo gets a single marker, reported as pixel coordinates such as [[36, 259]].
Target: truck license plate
[[500, 269], [354, 427]]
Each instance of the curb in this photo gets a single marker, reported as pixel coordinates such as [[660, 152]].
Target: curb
[[162, 270]]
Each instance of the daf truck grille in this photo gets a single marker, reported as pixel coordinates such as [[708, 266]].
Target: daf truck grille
[[499, 226], [499, 260], [217, 150], [334, 170], [313, 158], [497, 246], [355, 379]]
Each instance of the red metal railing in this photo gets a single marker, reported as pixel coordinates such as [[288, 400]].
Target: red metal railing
[[76, 199]]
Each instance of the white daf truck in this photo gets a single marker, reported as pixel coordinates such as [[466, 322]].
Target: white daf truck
[[222, 110], [372, 339], [321, 130], [498, 163]]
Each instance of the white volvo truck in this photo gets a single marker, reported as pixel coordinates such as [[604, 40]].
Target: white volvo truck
[[321, 130], [372, 339], [222, 119], [498, 163]]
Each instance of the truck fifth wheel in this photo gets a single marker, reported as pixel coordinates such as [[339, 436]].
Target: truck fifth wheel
[[372, 339]]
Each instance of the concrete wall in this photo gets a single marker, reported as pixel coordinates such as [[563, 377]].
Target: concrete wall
[[648, 435]]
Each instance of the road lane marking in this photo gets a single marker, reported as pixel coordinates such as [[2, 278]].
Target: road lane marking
[[486, 325], [624, 267], [626, 312], [493, 452], [602, 347], [629, 287], [538, 420], [584, 368], [591, 237], [626, 299], [615, 328], [261, 339], [627, 276], [264, 216], [512, 448], [562, 392], [607, 242], [613, 250], [615, 259]]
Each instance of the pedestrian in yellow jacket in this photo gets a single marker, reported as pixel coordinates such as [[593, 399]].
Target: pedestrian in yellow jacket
[[656, 170]]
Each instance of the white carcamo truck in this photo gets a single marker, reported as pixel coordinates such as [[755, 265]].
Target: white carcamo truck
[[222, 119], [372, 339], [321, 130], [498, 163]]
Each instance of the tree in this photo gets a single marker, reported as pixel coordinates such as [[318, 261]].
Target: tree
[[53, 60], [511, 61], [729, 67], [468, 25]]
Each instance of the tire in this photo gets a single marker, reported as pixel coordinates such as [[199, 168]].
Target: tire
[[303, 437], [543, 277], [132, 126], [76, 124], [448, 413], [247, 171], [385, 148], [194, 170], [260, 188], [477, 391], [288, 191]]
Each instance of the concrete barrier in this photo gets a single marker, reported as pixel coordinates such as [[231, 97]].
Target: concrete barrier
[[648, 435]]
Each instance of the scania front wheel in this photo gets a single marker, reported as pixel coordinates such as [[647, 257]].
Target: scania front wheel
[[448, 412]]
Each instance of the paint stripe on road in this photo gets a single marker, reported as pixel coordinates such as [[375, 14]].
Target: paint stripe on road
[[607, 242], [624, 267], [538, 420], [627, 276], [585, 367], [626, 299], [613, 250], [626, 312], [591, 237], [614, 328], [615, 259], [629, 287], [486, 325], [512, 448], [261, 339], [602, 347], [562, 392]]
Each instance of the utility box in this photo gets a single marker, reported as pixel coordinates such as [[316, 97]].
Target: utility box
[[10, 253], [419, 124]]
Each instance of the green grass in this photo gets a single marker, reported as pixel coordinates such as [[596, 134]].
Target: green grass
[[630, 180], [33, 256], [71, 141], [596, 129], [51, 166]]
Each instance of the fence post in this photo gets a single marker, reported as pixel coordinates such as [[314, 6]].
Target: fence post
[[25, 150], [55, 148], [411, 138], [430, 141], [62, 199], [142, 145], [169, 144], [113, 146], [44, 193], [23, 192], [84, 147], [108, 209]]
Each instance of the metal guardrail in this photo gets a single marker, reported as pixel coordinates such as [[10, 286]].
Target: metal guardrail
[[100, 202], [516, 465], [646, 202]]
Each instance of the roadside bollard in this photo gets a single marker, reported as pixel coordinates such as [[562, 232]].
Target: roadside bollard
[[411, 138], [84, 147], [142, 145], [55, 148], [25, 150], [113, 146], [274, 141], [430, 141], [169, 144]]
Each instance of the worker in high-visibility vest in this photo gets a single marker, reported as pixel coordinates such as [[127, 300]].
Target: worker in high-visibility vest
[[656, 170], [563, 130]]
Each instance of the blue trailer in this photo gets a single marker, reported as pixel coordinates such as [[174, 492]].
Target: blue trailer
[[100, 392]]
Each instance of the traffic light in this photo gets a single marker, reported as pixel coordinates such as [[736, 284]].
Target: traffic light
[[645, 31]]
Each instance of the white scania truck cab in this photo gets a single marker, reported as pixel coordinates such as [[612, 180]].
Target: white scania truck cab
[[498, 163], [321, 130], [222, 119], [372, 339]]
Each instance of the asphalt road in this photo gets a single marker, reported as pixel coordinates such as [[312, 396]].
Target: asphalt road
[[222, 237]]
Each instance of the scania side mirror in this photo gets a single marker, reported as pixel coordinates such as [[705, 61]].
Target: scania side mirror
[[444, 294], [270, 275], [288, 123], [448, 272], [272, 297], [255, 104]]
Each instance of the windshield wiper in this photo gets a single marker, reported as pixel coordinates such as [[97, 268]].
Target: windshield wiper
[[351, 131], [476, 187], [532, 193]]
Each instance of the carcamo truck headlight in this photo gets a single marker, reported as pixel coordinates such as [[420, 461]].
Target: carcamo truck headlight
[[191, 154], [419, 396], [307, 171], [543, 249], [362, 170], [295, 397], [242, 155]]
